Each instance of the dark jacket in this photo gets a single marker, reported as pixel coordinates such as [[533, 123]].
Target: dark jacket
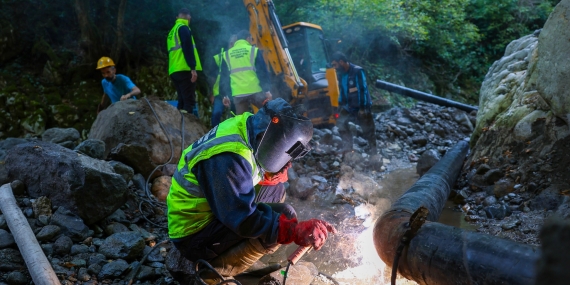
[[354, 94], [187, 47]]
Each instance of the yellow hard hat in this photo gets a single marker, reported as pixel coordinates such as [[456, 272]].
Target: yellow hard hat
[[104, 62]]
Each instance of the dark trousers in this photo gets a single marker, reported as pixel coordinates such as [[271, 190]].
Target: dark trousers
[[365, 120], [186, 90], [216, 238], [218, 109]]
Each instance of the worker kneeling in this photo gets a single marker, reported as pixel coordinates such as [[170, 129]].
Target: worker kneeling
[[214, 212]]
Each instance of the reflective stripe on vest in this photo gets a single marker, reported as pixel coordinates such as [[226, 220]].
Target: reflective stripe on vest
[[176, 59], [218, 60], [240, 60], [188, 209]]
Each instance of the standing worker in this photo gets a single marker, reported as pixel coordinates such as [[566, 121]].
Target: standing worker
[[245, 75], [117, 87], [183, 61], [212, 210], [216, 100], [354, 101]]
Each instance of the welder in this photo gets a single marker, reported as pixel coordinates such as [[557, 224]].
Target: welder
[[214, 212]]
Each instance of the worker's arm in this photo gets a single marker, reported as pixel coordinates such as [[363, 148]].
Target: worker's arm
[[131, 86], [262, 72], [230, 195], [188, 49], [363, 92]]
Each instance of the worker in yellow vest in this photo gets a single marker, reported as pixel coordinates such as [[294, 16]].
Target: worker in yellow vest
[[183, 61], [219, 102], [244, 74], [214, 212]]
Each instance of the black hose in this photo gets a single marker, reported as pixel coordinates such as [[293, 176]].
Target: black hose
[[286, 272]]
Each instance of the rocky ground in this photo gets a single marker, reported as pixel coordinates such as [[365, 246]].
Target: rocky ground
[[349, 190]]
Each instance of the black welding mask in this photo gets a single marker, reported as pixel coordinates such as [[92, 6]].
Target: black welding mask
[[286, 137]]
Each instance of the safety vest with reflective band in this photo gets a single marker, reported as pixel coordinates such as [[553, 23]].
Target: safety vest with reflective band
[[241, 64], [218, 60], [188, 209], [176, 60]]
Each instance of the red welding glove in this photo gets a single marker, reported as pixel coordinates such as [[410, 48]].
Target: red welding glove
[[277, 177], [308, 233]]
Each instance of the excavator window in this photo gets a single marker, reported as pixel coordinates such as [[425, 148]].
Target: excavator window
[[317, 51]]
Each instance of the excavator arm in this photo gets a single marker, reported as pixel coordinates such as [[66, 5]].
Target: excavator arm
[[268, 35]]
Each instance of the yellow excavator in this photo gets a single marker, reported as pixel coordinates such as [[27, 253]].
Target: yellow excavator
[[297, 58]]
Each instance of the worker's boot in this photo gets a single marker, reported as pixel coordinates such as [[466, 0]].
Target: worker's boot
[[237, 260]]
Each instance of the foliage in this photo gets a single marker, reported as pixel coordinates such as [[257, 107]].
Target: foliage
[[49, 48]]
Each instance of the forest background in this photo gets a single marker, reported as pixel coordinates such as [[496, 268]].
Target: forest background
[[48, 49]]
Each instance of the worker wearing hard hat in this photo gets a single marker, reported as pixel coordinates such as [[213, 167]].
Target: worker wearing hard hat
[[214, 213], [117, 87]]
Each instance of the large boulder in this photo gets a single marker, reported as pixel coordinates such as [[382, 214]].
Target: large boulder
[[85, 186], [131, 131], [524, 108]]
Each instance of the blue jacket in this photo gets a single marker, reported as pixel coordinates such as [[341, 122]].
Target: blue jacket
[[354, 93]]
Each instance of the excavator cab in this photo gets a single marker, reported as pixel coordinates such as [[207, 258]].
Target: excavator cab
[[310, 57]]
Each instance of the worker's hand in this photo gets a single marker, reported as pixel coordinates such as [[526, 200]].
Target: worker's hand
[[125, 97], [211, 100], [277, 177], [226, 101], [268, 96], [308, 233], [194, 76]]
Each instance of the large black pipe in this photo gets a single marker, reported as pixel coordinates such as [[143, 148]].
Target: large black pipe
[[423, 96], [441, 254]]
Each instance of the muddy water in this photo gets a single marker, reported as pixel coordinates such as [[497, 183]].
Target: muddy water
[[349, 256]]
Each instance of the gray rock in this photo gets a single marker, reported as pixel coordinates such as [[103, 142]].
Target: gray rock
[[482, 169], [113, 269], [88, 187], [83, 275], [42, 206], [7, 144], [302, 188], [59, 135], [147, 273], [70, 224], [96, 258], [114, 228], [122, 169], [503, 187], [420, 140], [78, 262], [48, 232], [498, 212], [43, 220], [78, 249], [18, 188], [549, 198], [150, 147], [490, 200], [319, 179], [155, 256], [492, 176], [62, 245], [428, 159], [510, 225], [117, 217], [94, 269], [11, 260], [68, 144], [93, 148], [6, 239], [360, 141], [403, 121], [47, 248], [16, 278], [125, 245]]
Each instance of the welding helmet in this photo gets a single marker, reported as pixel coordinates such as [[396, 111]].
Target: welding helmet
[[286, 136]]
